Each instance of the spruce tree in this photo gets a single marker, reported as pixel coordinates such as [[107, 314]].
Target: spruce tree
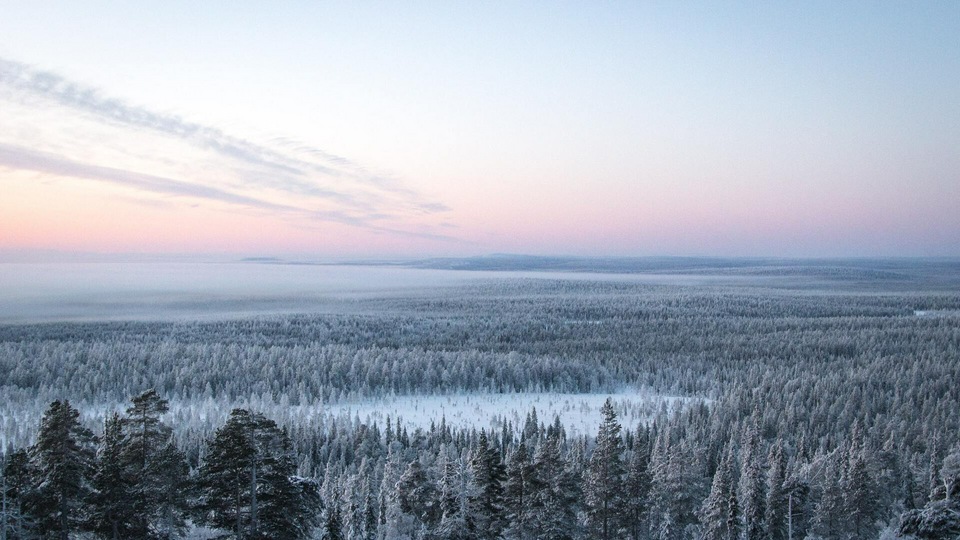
[[718, 514], [416, 495], [246, 481], [333, 524], [15, 522], [553, 490], [603, 484], [518, 494], [750, 489], [637, 487], [489, 476], [155, 469], [457, 496], [775, 511], [113, 512], [828, 518], [61, 467], [859, 496]]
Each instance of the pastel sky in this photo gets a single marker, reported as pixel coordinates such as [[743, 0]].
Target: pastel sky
[[370, 129]]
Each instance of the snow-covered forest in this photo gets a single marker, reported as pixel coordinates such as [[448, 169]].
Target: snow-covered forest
[[771, 403]]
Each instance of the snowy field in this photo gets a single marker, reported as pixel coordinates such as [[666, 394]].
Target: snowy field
[[579, 413]]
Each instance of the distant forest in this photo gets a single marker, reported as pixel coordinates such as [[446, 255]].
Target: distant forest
[[831, 409]]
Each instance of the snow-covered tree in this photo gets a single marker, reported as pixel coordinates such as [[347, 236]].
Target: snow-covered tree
[[603, 483], [61, 470], [718, 514]]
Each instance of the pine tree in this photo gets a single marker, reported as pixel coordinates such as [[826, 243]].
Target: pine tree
[[828, 516], [247, 485], [15, 522], [859, 496], [603, 485], [457, 495], [797, 492], [489, 475], [416, 495], [775, 512], [637, 486], [518, 495], [155, 469], [750, 487], [718, 514], [333, 525], [113, 512], [553, 492], [61, 465]]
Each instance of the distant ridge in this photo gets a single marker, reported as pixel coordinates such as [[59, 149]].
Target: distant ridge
[[832, 269]]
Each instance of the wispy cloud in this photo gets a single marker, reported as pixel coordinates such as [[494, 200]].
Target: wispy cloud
[[265, 176]]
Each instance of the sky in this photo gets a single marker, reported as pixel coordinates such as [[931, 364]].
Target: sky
[[409, 129]]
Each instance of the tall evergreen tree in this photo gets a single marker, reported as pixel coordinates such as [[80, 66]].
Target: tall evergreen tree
[[603, 485], [333, 524], [939, 519], [750, 489], [828, 518], [775, 510], [553, 491], [417, 496], [155, 469], [796, 489], [489, 475], [113, 512], [637, 486], [859, 496], [15, 522], [61, 467], [458, 496], [247, 485], [718, 514], [518, 494]]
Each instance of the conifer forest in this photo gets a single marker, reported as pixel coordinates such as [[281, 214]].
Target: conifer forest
[[760, 401]]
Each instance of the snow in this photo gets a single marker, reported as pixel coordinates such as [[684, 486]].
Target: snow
[[579, 413]]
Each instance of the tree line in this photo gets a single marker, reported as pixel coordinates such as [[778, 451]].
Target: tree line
[[133, 482], [655, 482]]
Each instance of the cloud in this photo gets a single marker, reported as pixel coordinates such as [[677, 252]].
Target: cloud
[[321, 186], [25, 159]]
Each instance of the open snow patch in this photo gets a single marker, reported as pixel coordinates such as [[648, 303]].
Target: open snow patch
[[579, 413]]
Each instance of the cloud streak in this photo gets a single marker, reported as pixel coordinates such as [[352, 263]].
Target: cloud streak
[[346, 192], [25, 159]]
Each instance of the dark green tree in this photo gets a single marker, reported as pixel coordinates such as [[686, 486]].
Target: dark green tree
[[112, 508], [775, 510], [518, 495], [718, 514], [61, 469], [333, 524], [603, 485], [155, 468], [553, 491], [750, 488], [637, 486], [246, 482], [489, 475], [417, 496], [15, 487]]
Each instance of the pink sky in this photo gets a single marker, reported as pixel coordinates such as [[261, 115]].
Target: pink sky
[[349, 131]]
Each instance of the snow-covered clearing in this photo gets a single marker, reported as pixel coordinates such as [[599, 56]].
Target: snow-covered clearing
[[579, 413]]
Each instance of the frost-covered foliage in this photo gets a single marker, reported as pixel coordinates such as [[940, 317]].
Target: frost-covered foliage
[[826, 413]]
